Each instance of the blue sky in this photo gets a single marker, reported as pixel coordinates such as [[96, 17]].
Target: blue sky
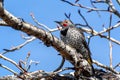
[[47, 12]]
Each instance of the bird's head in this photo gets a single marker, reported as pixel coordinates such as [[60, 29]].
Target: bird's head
[[64, 24]]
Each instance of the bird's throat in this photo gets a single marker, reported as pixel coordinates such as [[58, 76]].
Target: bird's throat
[[64, 32]]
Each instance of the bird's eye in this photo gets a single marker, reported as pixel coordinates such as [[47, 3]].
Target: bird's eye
[[66, 22]]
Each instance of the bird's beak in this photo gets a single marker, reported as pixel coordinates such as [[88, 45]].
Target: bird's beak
[[58, 22], [59, 25]]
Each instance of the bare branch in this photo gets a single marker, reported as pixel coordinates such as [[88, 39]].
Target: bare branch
[[2, 23], [11, 61], [105, 67], [110, 28], [68, 16], [109, 2], [95, 33], [26, 60], [61, 70], [84, 20], [76, 1], [118, 65], [49, 75], [85, 7], [98, 1], [66, 51], [110, 43], [40, 24], [32, 62], [26, 37], [19, 46], [27, 65], [118, 1], [7, 68], [61, 65], [1, 3], [94, 7]]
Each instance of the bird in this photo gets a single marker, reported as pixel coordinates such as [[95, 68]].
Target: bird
[[74, 37]]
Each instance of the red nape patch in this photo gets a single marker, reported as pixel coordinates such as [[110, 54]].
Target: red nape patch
[[64, 25]]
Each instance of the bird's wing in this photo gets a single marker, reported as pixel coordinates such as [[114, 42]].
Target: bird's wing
[[89, 59]]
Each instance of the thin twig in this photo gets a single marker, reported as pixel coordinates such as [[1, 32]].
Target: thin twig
[[11, 61], [95, 7], [105, 67], [26, 37], [40, 24], [110, 43], [98, 1], [79, 12], [7, 68], [84, 20], [2, 23], [95, 33], [117, 65], [68, 17], [27, 64], [61, 70], [76, 1], [32, 62], [85, 7], [110, 28], [61, 65], [19, 46], [26, 60], [112, 7], [118, 1]]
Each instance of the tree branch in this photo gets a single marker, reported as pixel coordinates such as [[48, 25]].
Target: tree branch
[[109, 2], [11, 61], [66, 51], [105, 67], [19, 46], [7, 68], [40, 24], [95, 33], [2, 23]]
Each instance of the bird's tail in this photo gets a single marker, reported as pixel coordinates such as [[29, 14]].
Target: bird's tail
[[92, 68]]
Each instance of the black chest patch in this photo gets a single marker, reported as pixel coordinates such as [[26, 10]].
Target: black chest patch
[[64, 32]]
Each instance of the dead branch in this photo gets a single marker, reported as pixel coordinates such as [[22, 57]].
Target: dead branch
[[118, 65], [42, 75], [2, 23], [90, 9], [110, 28], [27, 64], [42, 25], [95, 33], [19, 46], [105, 67], [109, 2], [110, 43], [61, 65], [66, 51], [11, 61], [118, 1], [7, 68]]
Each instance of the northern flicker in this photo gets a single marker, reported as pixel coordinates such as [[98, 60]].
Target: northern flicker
[[74, 37]]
